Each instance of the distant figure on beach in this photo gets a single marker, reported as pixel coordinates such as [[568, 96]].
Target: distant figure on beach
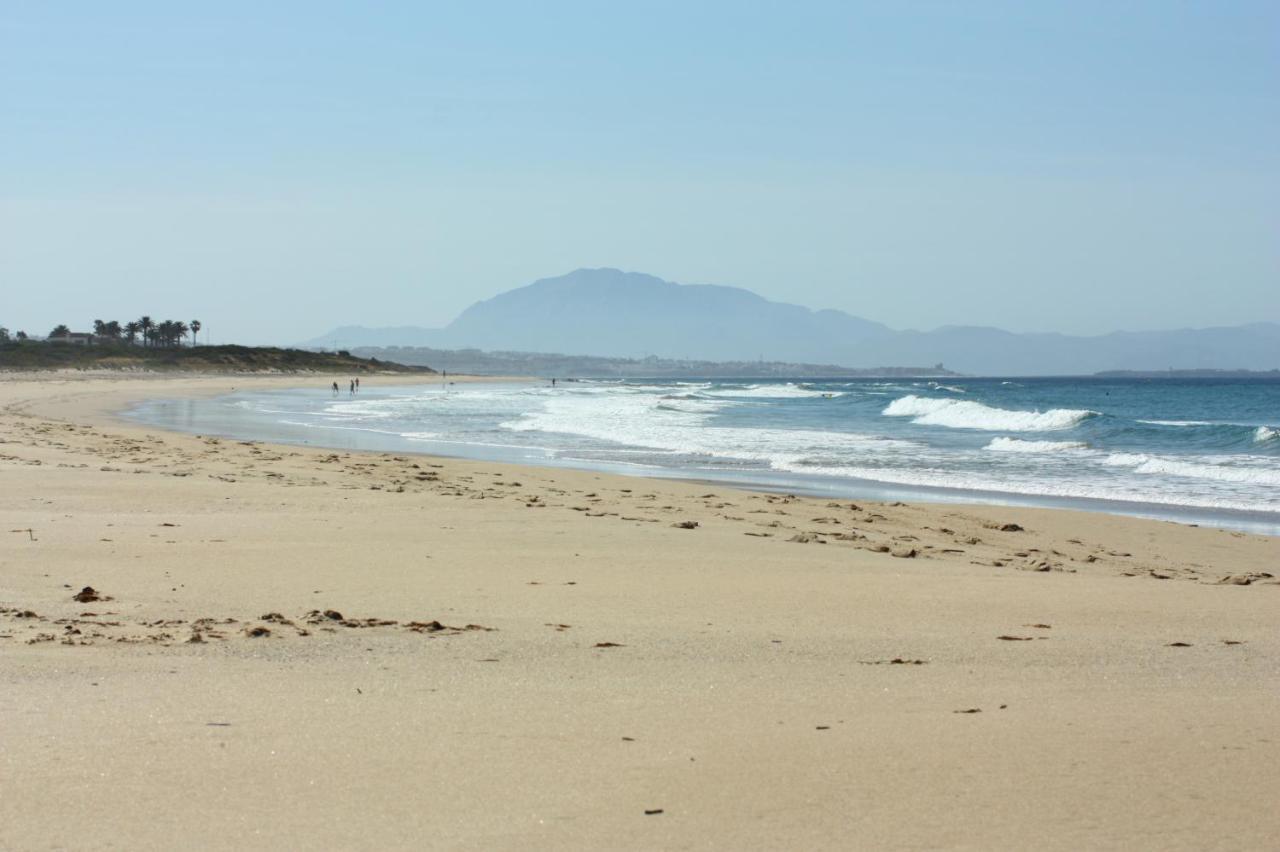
[[353, 387], [335, 388], [357, 384], [553, 383]]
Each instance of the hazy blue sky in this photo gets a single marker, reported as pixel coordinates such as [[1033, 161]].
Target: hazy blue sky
[[279, 168]]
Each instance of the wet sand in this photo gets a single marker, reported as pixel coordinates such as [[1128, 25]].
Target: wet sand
[[223, 644]]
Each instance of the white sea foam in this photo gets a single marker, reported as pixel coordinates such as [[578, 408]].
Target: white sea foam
[[1125, 459], [1070, 488], [691, 405], [1014, 445], [1251, 470], [966, 414], [381, 409], [684, 427], [1179, 422], [647, 420], [787, 391]]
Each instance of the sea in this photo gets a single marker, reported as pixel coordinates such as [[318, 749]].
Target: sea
[[1193, 451]]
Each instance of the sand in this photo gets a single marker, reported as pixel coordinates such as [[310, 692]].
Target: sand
[[402, 651]]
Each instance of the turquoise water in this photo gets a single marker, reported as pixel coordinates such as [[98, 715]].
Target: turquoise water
[[1190, 450]]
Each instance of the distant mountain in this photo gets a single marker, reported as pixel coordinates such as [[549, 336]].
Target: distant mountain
[[617, 314], [607, 312]]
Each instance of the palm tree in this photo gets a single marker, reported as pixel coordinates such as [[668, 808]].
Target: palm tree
[[112, 329], [195, 332], [146, 326], [131, 330], [100, 328], [170, 333]]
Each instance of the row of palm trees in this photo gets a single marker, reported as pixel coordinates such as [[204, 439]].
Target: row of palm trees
[[166, 333]]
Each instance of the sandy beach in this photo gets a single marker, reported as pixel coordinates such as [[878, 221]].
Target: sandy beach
[[207, 643]]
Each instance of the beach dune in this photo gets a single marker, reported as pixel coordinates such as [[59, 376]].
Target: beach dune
[[222, 644]]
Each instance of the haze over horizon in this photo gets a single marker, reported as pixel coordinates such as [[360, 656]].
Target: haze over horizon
[[1078, 168], [612, 313]]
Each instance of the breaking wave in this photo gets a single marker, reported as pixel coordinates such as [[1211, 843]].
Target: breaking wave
[[951, 388], [786, 391], [966, 414]]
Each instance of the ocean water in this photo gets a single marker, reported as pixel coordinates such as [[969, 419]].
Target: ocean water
[[1204, 451]]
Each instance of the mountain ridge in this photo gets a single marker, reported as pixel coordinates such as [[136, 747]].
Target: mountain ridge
[[608, 312]]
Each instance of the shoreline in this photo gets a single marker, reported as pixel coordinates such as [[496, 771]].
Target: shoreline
[[1253, 521], [155, 385], [397, 646]]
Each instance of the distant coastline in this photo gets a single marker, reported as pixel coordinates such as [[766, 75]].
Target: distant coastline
[[1189, 374], [553, 364], [120, 355]]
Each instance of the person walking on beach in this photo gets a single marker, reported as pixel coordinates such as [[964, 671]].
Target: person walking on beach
[[335, 388], [353, 387], [357, 384]]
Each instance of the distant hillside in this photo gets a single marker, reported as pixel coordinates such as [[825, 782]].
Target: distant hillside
[[605, 312], [41, 355], [551, 365]]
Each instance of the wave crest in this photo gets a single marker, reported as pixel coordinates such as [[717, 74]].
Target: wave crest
[[966, 414]]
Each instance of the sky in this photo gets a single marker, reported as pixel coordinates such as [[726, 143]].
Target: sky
[[278, 169]]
